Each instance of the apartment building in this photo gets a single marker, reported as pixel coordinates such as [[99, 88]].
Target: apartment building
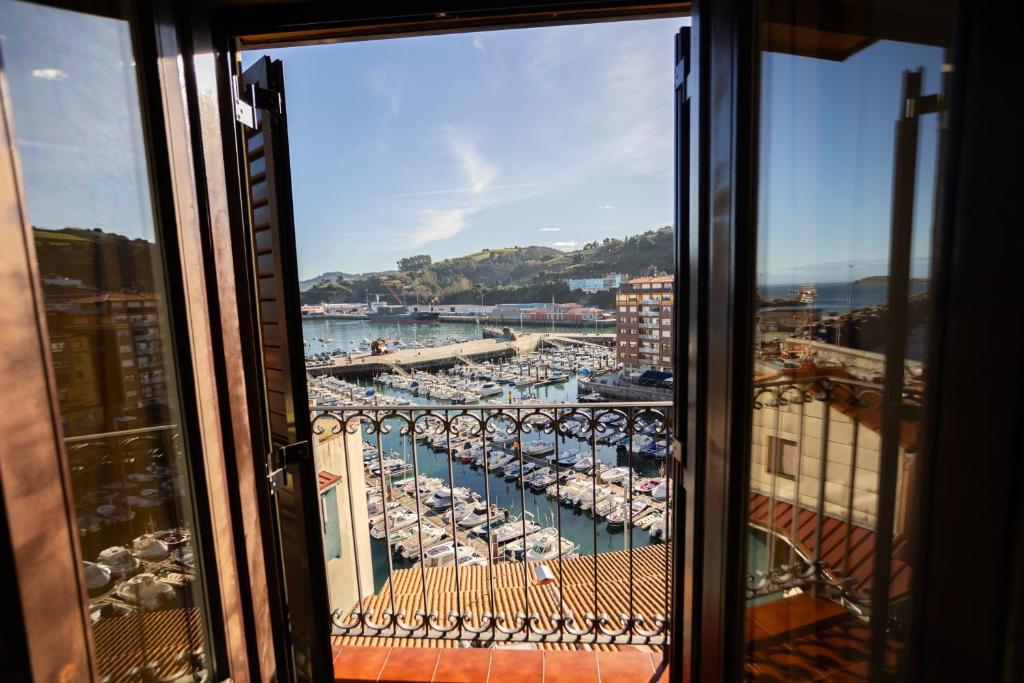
[[643, 316]]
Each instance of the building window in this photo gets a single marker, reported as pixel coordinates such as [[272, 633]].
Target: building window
[[782, 455]]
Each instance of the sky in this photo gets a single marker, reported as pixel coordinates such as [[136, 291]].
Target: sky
[[444, 145]]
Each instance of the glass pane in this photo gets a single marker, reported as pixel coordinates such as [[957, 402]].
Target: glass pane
[[78, 134], [849, 148]]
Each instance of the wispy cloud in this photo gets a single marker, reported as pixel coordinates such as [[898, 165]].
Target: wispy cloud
[[568, 244], [606, 206], [550, 229], [478, 43], [439, 224], [461, 190], [478, 171], [49, 74]]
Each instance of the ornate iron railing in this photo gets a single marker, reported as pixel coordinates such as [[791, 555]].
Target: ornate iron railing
[[598, 596], [793, 520]]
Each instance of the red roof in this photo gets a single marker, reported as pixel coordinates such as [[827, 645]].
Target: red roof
[[326, 479], [833, 543]]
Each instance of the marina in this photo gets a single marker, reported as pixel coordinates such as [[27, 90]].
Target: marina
[[567, 492]]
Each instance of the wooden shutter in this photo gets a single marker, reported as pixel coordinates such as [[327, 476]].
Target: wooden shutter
[[293, 497]]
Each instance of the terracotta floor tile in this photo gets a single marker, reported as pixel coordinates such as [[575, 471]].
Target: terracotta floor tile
[[626, 666], [463, 665], [410, 665], [354, 663], [567, 666], [517, 666]]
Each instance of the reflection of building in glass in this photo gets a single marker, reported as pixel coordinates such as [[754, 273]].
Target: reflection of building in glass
[[109, 360], [643, 331]]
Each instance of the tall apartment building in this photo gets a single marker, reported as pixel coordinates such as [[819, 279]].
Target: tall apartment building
[[643, 315]]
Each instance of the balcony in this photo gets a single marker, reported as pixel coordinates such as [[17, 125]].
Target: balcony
[[524, 577]]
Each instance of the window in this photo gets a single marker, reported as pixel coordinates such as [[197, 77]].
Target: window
[[782, 455]]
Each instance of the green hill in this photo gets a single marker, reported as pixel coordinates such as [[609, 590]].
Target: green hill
[[506, 275]]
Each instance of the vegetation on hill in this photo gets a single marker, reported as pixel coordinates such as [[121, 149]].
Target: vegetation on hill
[[507, 275], [77, 253]]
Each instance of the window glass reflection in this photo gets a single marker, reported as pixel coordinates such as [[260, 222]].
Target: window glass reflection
[[78, 134]]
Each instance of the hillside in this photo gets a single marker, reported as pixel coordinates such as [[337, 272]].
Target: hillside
[[506, 275]]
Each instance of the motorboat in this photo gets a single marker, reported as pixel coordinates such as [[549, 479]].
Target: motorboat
[[541, 480], [617, 517], [148, 548], [172, 538], [396, 519], [659, 530], [146, 591], [589, 497], [614, 475], [538, 448], [446, 554], [478, 517], [486, 529], [410, 547], [119, 561], [608, 505], [97, 577], [564, 459], [444, 496], [512, 530], [660, 493], [545, 546], [583, 463]]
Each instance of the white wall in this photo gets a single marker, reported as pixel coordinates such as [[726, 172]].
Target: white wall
[[342, 584]]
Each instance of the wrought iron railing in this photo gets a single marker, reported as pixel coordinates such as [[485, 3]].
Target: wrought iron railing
[[819, 526], [508, 592]]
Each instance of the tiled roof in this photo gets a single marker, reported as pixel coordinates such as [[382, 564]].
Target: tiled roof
[[650, 278], [325, 479], [834, 533]]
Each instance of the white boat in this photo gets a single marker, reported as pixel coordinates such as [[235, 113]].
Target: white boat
[[397, 519], [583, 463], [608, 505], [538, 448], [148, 548], [660, 493], [513, 530], [410, 547], [589, 497], [145, 590], [548, 547], [614, 475], [444, 496], [659, 530], [478, 517], [444, 555]]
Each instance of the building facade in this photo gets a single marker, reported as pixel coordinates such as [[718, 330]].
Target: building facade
[[597, 284], [643, 322]]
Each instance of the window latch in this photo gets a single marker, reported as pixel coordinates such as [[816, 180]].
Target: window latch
[[279, 459]]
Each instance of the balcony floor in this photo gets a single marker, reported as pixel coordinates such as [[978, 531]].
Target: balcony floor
[[354, 663]]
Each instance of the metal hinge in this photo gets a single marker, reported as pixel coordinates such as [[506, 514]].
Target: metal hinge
[[248, 100], [280, 459]]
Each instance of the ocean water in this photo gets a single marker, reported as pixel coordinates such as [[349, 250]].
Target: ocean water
[[348, 334], [838, 297]]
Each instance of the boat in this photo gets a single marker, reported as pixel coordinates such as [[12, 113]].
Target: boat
[[397, 519], [444, 496], [410, 547], [97, 577], [617, 517], [513, 530], [589, 497], [401, 315], [545, 547], [148, 548], [538, 448], [146, 591], [661, 492], [609, 505], [659, 530], [583, 463], [478, 517], [445, 554], [614, 475], [119, 561]]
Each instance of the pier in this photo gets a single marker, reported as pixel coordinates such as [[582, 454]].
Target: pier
[[441, 357]]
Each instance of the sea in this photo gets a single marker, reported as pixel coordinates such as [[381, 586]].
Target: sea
[[838, 297]]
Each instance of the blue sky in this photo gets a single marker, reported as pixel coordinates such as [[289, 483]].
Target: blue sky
[[447, 144]]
